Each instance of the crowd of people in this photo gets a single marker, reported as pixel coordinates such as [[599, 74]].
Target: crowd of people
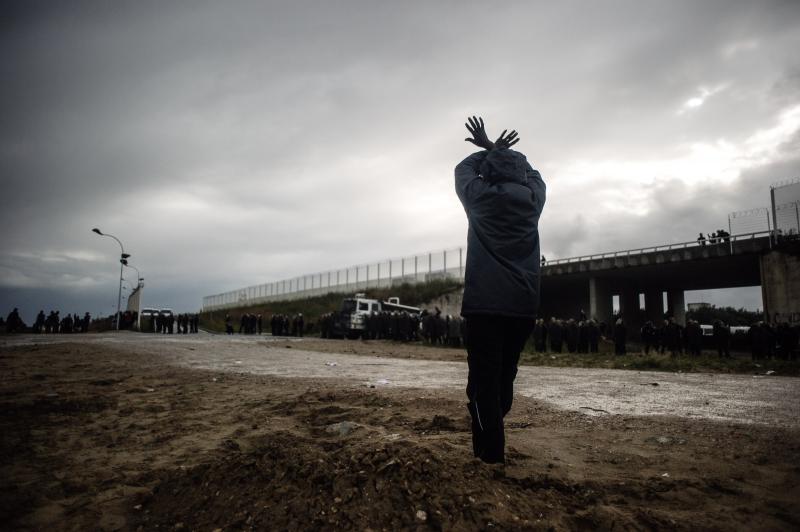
[[47, 324], [285, 325], [719, 237], [765, 340], [168, 323], [576, 336]]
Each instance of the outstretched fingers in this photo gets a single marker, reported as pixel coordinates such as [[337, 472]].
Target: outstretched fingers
[[508, 140]]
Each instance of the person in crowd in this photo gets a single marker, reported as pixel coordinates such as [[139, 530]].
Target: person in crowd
[[648, 334], [620, 337], [722, 339], [556, 333], [593, 334], [694, 338], [540, 336]]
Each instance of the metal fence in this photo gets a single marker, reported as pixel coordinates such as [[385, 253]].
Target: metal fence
[[728, 241], [787, 218], [750, 221], [446, 264], [785, 201]]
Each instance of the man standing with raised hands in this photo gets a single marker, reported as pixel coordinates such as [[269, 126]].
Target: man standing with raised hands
[[503, 197]]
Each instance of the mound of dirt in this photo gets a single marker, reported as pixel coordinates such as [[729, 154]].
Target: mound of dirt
[[364, 481]]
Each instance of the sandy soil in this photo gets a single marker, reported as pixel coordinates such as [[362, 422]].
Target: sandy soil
[[97, 436]]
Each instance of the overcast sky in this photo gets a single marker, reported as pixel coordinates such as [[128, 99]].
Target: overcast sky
[[234, 143]]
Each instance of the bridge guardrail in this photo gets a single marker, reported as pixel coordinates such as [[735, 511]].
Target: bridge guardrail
[[662, 247]]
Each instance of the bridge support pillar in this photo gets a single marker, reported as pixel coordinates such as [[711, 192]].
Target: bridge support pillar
[[654, 306], [677, 305], [630, 310], [600, 304]]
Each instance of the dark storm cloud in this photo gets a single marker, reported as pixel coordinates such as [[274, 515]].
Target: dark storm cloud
[[229, 144]]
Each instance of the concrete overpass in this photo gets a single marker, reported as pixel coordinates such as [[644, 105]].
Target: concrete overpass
[[589, 283]]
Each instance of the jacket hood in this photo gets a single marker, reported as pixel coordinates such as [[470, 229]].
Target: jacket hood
[[503, 165]]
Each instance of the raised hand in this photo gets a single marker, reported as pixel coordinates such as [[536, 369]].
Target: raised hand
[[477, 130], [506, 141]]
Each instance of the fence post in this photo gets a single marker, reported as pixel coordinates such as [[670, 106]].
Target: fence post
[[430, 263], [416, 279], [460, 264], [797, 215], [390, 273], [444, 262], [770, 229], [730, 240]]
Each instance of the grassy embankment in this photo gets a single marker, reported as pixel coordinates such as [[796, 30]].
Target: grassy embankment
[[313, 307], [708, 362]]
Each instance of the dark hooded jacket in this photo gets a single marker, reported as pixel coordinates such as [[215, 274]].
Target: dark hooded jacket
[[503, 198]]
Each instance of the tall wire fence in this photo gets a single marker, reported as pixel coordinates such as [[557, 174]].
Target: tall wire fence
[[785, 199], [750, 221], [787, 218], [445, 264]]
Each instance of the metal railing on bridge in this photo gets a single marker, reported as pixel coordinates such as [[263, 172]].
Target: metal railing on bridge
[[727, 241]]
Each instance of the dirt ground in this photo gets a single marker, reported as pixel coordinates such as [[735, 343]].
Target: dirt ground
[[105, 437], [379, 348]]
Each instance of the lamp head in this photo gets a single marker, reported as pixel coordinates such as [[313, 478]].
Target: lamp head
[[125, 256], [96, 230]]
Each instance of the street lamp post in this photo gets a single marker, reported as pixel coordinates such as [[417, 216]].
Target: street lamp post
[[122, 262]]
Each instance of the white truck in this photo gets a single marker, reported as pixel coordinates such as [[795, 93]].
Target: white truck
[[349, 320]]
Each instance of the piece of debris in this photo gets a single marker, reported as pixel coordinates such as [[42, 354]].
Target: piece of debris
[[331, 364], [770, 372], [665, 475], [231, 445], [648, 384], [595, 409], [343, 428], [238, 362], [382, 381], [422, 515]]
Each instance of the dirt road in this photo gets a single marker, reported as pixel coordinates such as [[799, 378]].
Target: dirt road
[[127, 432], [769, 400]]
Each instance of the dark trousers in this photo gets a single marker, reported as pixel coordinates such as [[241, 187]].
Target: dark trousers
[[493, 347]]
